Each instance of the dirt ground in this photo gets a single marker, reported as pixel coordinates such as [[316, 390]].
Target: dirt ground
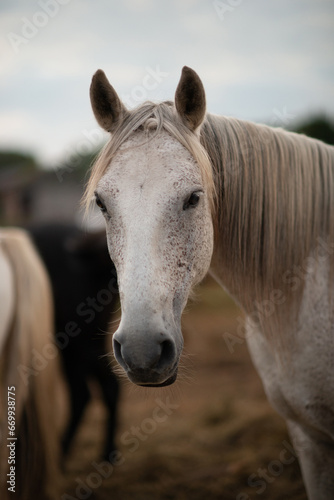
[[212, 435]]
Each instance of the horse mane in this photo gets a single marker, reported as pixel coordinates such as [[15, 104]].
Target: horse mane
[[38, 412], [275, 209]]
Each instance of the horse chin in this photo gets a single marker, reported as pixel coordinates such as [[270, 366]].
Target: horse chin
[[169, 381]]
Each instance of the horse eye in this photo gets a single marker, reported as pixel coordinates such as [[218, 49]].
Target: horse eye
[[100, 204], [192, 201]]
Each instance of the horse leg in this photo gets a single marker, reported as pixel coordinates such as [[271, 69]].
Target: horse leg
[[316, 460], [79, 397], [110, 392]]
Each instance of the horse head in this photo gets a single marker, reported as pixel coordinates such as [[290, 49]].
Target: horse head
[[153, 187]]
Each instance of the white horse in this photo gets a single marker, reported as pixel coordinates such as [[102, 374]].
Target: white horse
[[30, 375], [183, 192]]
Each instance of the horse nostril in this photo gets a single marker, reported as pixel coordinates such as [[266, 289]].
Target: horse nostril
[[167, 354], [118, 354]]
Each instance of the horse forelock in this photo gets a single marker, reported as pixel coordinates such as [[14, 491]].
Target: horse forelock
[[152, 119]]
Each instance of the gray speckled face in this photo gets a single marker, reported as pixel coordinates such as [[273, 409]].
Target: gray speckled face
[[160, 238]]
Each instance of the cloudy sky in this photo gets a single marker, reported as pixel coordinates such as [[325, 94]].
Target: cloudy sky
[[262, 60]]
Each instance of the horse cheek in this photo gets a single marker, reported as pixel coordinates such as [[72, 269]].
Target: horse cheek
[[204, 247]]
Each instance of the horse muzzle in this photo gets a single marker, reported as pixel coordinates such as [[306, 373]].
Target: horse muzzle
[[149, 359]]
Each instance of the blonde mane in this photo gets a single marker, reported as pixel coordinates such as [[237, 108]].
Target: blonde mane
[[275, 210], [271, 191]]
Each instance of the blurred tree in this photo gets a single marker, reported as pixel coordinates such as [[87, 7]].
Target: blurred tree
[[17, 171], [83, 164], [319, 127], [76, 166], [15, 159]]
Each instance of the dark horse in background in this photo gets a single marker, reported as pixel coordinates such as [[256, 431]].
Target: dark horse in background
[[85, 292]]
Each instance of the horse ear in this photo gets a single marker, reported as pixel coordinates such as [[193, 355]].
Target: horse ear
[[107, 106], [190, 99]]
